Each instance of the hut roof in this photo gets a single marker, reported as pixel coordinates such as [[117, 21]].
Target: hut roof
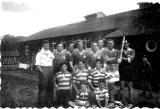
[[132, 22]]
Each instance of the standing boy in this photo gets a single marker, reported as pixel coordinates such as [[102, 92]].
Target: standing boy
[[63, 85], [81, 75]]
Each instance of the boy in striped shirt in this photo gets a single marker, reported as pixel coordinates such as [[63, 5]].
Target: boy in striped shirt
[[102, 95], [80, 75], [95, 75], [63, 85], [81, 97]]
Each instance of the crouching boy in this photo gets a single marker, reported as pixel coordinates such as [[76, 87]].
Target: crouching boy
[[81, 97], [102, 95]]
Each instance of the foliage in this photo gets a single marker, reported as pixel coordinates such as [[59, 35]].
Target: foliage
[[8, 42]]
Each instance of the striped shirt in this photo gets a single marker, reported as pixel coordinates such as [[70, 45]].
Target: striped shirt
[[82, 98], [81, 76], [63, 80], [101, 94], [96, 75]]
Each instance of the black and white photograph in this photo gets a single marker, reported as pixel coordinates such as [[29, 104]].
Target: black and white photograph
[[80, 54]]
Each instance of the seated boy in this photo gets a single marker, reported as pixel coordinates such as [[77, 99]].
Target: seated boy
[[63, 86], [81, 97], [102, 95]]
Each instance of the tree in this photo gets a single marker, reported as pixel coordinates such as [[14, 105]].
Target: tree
[[8, 42]]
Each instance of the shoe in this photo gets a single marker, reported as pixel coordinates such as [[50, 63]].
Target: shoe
[[119, 103], [111, 105], [151, 97], [130, 106]]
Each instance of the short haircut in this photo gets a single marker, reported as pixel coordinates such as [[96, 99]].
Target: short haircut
[[94, 42], [80, 41], [126, 42], [82, 60], [100, 39], [70, 42], [109, 40], [59, 43], [63, 63], [45, 42]]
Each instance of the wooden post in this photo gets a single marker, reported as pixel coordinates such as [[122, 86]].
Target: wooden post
[[53, 44], [85, 40]]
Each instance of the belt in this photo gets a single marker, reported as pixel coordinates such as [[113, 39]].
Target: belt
[[111, 64], [46, 66]]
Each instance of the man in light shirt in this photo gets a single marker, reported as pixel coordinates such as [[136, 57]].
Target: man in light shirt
[[44, 63]]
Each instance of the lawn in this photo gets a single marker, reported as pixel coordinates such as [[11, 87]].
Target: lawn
[[20, 89], [18, 92]]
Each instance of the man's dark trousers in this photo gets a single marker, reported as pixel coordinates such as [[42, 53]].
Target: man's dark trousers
[[45, 87]]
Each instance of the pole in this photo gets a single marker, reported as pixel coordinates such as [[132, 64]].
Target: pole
[[122, 46]]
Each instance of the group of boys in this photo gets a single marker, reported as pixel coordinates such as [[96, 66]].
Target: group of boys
[[82, 77]]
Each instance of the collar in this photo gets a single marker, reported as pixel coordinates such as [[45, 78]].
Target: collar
[[44, 51], [128, 49], [82, 70], [101, 89], [63, 72], [86, 91], [81, 52], [94, 52], [101, 48], [62, 52], [111, 50], [101, 70]]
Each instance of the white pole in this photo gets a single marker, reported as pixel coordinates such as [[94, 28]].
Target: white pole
[[122, 46]]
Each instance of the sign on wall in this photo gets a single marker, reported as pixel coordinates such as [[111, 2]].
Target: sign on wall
[[10, 60]]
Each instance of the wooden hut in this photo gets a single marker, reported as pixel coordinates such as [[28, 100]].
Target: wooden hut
[[141, 28]]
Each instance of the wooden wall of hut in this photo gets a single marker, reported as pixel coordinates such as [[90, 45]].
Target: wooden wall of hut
[[138, 43]]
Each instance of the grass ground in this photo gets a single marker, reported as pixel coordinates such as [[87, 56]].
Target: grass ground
[[18, 92], [20, 89]]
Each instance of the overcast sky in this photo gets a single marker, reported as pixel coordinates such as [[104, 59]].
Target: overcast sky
[[25, 17]]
